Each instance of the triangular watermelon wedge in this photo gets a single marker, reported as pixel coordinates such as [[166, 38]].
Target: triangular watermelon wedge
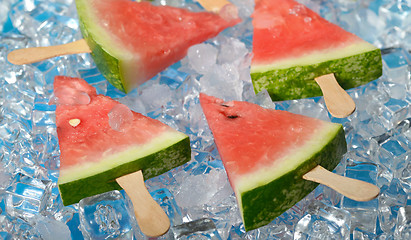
[[292, 45], [133, 41], [266, 152], [95, 151]]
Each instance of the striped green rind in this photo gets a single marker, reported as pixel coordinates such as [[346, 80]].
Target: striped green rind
[[263, 204], [107, 63], [152, 165], [298, 81]]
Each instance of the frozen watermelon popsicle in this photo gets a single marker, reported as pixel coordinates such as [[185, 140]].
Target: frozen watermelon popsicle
[[270, 154], [293, 46], [105, 146], [131, 41]]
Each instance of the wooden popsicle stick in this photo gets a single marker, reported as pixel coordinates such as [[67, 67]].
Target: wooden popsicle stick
[[213, 5], [151, 218], [37, 54], [337, 100], [352, 188]]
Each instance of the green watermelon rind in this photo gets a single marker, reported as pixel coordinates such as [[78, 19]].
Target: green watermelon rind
[[298, 81], [152, 165], [106, 55], [286, 190], [105, 62]]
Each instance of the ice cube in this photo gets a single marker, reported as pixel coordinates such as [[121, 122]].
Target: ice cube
[[51, 229], [403, 223], [202, 57], [323, 222], [4, 9], [222, 81], [155, 96], [364, 171], [25, 196], [390, 200], [5, 178], [203, 188], [309, 107], [198, 229], [166, 200], [395, 13], [232, 50], [174, 3], [263, 99], [134, 103], [405, 176], [245, 7], [107, 215]]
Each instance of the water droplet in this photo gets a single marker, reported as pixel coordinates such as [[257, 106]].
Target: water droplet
[[120, 117]]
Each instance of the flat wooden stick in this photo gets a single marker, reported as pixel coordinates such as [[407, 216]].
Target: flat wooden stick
[[151, 218], [213, 5], [349, 187], [337, 100], [37, 54]]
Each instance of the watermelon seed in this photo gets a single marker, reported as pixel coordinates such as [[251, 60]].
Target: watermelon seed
[[232, 116], [224, 105], [74, 122]]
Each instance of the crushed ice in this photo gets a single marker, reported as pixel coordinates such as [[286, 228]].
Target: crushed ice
[[229, 12], [29, 143]]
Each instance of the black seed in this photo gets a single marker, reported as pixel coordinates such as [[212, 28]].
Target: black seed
[[232, 116]]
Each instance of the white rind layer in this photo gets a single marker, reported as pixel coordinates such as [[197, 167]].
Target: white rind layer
[[112, 160], [315, 57], [128, 60], [280, 167]]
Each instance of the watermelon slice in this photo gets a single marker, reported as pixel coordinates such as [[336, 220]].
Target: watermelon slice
[[94, 152], [266, 152], [292, 45], [133, 41]]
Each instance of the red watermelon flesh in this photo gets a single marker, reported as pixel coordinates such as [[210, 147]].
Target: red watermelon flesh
[[94, 120], [292, 45], [94, 154], [63, 83], [284, 28], [69, 92], [266, 152], [133, 41], [274, 133]]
